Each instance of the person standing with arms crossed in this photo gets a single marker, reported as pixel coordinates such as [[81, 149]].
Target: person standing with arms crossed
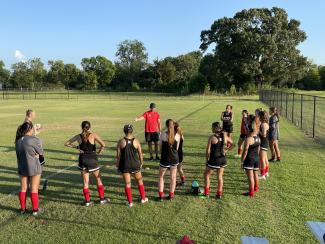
[[152, 129]]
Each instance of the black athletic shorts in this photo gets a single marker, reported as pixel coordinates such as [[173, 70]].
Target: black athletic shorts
[[217, 163], [252, 164], [264, 144], [88, 162], [168, 164], [151, 136], [226, 127]]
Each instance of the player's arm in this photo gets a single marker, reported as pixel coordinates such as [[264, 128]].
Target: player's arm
[[100, 142], [159, 125], [118, 153], [263, 130], [138, 146], [139, 118], [177, 138], [232, 116], [245, 151], [71, 141], [227, 141], [208, 150], [221, 116]]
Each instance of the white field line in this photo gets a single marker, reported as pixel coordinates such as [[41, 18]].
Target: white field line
[[74, 164]]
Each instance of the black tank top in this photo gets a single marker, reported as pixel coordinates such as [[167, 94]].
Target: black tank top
[[217, 149], [169, 153], [180, 146], [253, 149], [261, 132], [129, 154], [87, 147], [226, 117]]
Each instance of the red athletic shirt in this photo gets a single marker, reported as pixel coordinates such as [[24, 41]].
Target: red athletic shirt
[[243, 127], [151, 118]]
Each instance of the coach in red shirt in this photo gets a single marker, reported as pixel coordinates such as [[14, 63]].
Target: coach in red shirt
[[152, 128]]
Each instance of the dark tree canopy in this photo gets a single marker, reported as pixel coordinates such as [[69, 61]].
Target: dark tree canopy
[[257, 42]]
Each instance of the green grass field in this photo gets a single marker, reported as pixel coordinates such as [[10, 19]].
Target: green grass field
[[293, 194]]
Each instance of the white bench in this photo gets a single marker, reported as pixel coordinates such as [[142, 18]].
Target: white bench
[[253, 240], [318, 229]]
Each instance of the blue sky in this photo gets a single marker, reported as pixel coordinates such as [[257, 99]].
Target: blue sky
[[73, 29]]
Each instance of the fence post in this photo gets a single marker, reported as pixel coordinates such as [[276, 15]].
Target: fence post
[[281, 102], [301, 105], [293, 107], [314, 117], [35, 94]]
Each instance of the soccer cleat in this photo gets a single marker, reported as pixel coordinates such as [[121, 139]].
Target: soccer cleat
[[104, 201], [237, 156], [262, 177], [160, 199], [87, 204], [144, 200], [170, 198], [267, 174], [22, 211], [247, 194], [272, 159], [130, 205], [157, 158], [218, 196], [278, 160], [38, 212], [151, 158]]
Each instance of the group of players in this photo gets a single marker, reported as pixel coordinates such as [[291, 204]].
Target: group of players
[[258, 131]]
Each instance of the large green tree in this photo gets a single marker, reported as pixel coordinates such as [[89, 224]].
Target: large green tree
[[255, 43], [56, 74], [132, 59], [4, 74], [103, 68]]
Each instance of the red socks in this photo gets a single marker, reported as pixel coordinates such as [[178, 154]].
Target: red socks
[[161, 194], [239, 152], [171, 194], [22, 200], [183, 179], [219, 193], [128, 193], [34, 199], [86, 194], [263, 172], [142, 192], [100, 189], [206, 191], [266, 169]]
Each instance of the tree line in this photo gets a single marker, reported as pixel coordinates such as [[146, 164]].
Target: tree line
[[254, 47]]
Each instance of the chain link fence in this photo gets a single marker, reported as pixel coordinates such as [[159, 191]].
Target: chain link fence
[[305, 111]]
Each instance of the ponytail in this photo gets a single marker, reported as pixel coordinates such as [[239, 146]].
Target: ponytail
[[85, 126], [171, 131], [23, 130], [178, 129]]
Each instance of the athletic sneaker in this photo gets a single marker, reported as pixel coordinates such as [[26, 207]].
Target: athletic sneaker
[[218, 196], [144, 200], [130, 205], [87, 204], [151, 158], [38, 212], [104, 201], [22, 211], [271, 159]]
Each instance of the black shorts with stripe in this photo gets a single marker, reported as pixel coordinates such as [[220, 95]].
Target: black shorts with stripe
[[264, 143], [151, 136], [88, 162], [252, 164], [217, 163]]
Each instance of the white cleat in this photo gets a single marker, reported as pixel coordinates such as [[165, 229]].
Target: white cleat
[[144, 200], [104, 201], [87, 204], [130, 205], [267, 174], [262, 177]]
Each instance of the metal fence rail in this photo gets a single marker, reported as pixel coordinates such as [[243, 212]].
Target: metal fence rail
[[305, 111]]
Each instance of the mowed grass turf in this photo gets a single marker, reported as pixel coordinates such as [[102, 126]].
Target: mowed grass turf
[[293, 194]]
